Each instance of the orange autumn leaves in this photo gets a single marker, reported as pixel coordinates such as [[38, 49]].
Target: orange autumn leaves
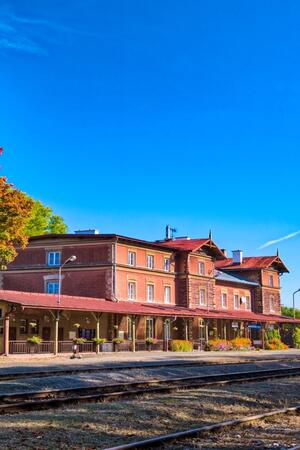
[[15, 210]]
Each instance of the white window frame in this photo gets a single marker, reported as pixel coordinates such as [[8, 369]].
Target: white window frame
[[201, 268], [131, 258], [131, 290], [167, 298], [202, 297], [236, 301], [224, 305], [150, 262], [150, 292], [52, 283], [248, 302], [167, 264], [55, 256]]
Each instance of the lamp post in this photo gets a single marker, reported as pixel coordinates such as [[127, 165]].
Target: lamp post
[[70, 259], [294, 309]]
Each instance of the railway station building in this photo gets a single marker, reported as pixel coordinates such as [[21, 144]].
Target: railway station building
[[133, 289]]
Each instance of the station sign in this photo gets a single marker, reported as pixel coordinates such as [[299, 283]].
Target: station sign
[[235, 324], [256, 326]]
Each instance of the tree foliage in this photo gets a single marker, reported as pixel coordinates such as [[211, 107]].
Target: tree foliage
[[43, 221], [288, 311], [15, 210]]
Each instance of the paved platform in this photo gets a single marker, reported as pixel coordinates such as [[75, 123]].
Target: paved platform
[[35, 363]]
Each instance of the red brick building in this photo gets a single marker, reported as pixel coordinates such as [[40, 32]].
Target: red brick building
[[175, 288]]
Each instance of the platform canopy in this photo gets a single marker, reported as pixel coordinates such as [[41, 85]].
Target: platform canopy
[[32, 300]]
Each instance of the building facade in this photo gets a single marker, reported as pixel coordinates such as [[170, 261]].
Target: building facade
[[134, 289]]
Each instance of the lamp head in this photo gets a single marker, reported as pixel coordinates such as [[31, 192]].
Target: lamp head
[[72, 258]]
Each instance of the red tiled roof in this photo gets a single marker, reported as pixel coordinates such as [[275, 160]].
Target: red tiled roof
[[47, 301], [252, 262], [68, 302], [191, 245]]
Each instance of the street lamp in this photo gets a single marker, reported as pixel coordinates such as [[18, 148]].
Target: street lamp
[[294, 310], [70, 259]]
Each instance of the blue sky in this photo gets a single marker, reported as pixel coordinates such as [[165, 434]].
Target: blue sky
[[128, 115]]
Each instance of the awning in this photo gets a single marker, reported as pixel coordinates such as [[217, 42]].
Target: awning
[[32, 300]]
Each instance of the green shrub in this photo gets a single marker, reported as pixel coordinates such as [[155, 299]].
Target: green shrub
[[99, 341], [271, 334], [181, 346], [79, 341], [296, 337], [118, 341], [34, 340], [149, 341]]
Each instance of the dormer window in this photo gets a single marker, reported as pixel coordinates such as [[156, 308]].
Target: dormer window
[[201, 268], [53, 258]]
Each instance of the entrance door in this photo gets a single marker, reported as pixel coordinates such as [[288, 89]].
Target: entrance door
[[46, 333], [12, 333], [202, 335], [60, 334]]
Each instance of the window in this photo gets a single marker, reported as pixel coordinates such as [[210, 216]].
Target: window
[[33, 326], [202, 297], [150, 292], [131, 290], [53, 258], [167, 264], [86, 333], [150, 261], [23, 326], [131, 258], [149, 328], [167, 294], [201, 268], [52, 287], [272, 303], [248, 302], [236, 301], [224, 300], [271, 281]]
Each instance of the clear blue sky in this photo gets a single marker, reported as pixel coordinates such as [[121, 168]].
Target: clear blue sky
[[128, 115]]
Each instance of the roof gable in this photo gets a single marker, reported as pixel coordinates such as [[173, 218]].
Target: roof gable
[[192, 245], [254, 262]]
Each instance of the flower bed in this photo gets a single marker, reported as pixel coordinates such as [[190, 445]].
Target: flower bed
[[220, 345], [240, 343]]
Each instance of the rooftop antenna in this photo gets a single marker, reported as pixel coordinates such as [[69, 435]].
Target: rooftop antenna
[[170, 231], [277, 253], [210, 235]]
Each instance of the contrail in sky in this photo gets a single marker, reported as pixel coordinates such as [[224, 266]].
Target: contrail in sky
[[283, 238]]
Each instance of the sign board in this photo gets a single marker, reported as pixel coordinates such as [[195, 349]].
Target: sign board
[[256, 326], [72, 335], [235, 324], [121, 334], [258, 342]]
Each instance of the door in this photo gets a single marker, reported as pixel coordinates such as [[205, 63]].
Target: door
[[60, 334], [12, 333], [46, 333]]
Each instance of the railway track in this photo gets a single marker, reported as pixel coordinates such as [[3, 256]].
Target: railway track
[[173, 437], [133, 366], [16, 402]]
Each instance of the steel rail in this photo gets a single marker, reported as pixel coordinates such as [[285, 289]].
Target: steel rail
[[161, 439], [133, 366], [16, 402]]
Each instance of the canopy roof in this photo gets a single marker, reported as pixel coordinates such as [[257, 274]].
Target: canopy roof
[[31, 300]]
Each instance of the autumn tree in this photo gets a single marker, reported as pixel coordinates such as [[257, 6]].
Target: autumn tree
[[15, 210]]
